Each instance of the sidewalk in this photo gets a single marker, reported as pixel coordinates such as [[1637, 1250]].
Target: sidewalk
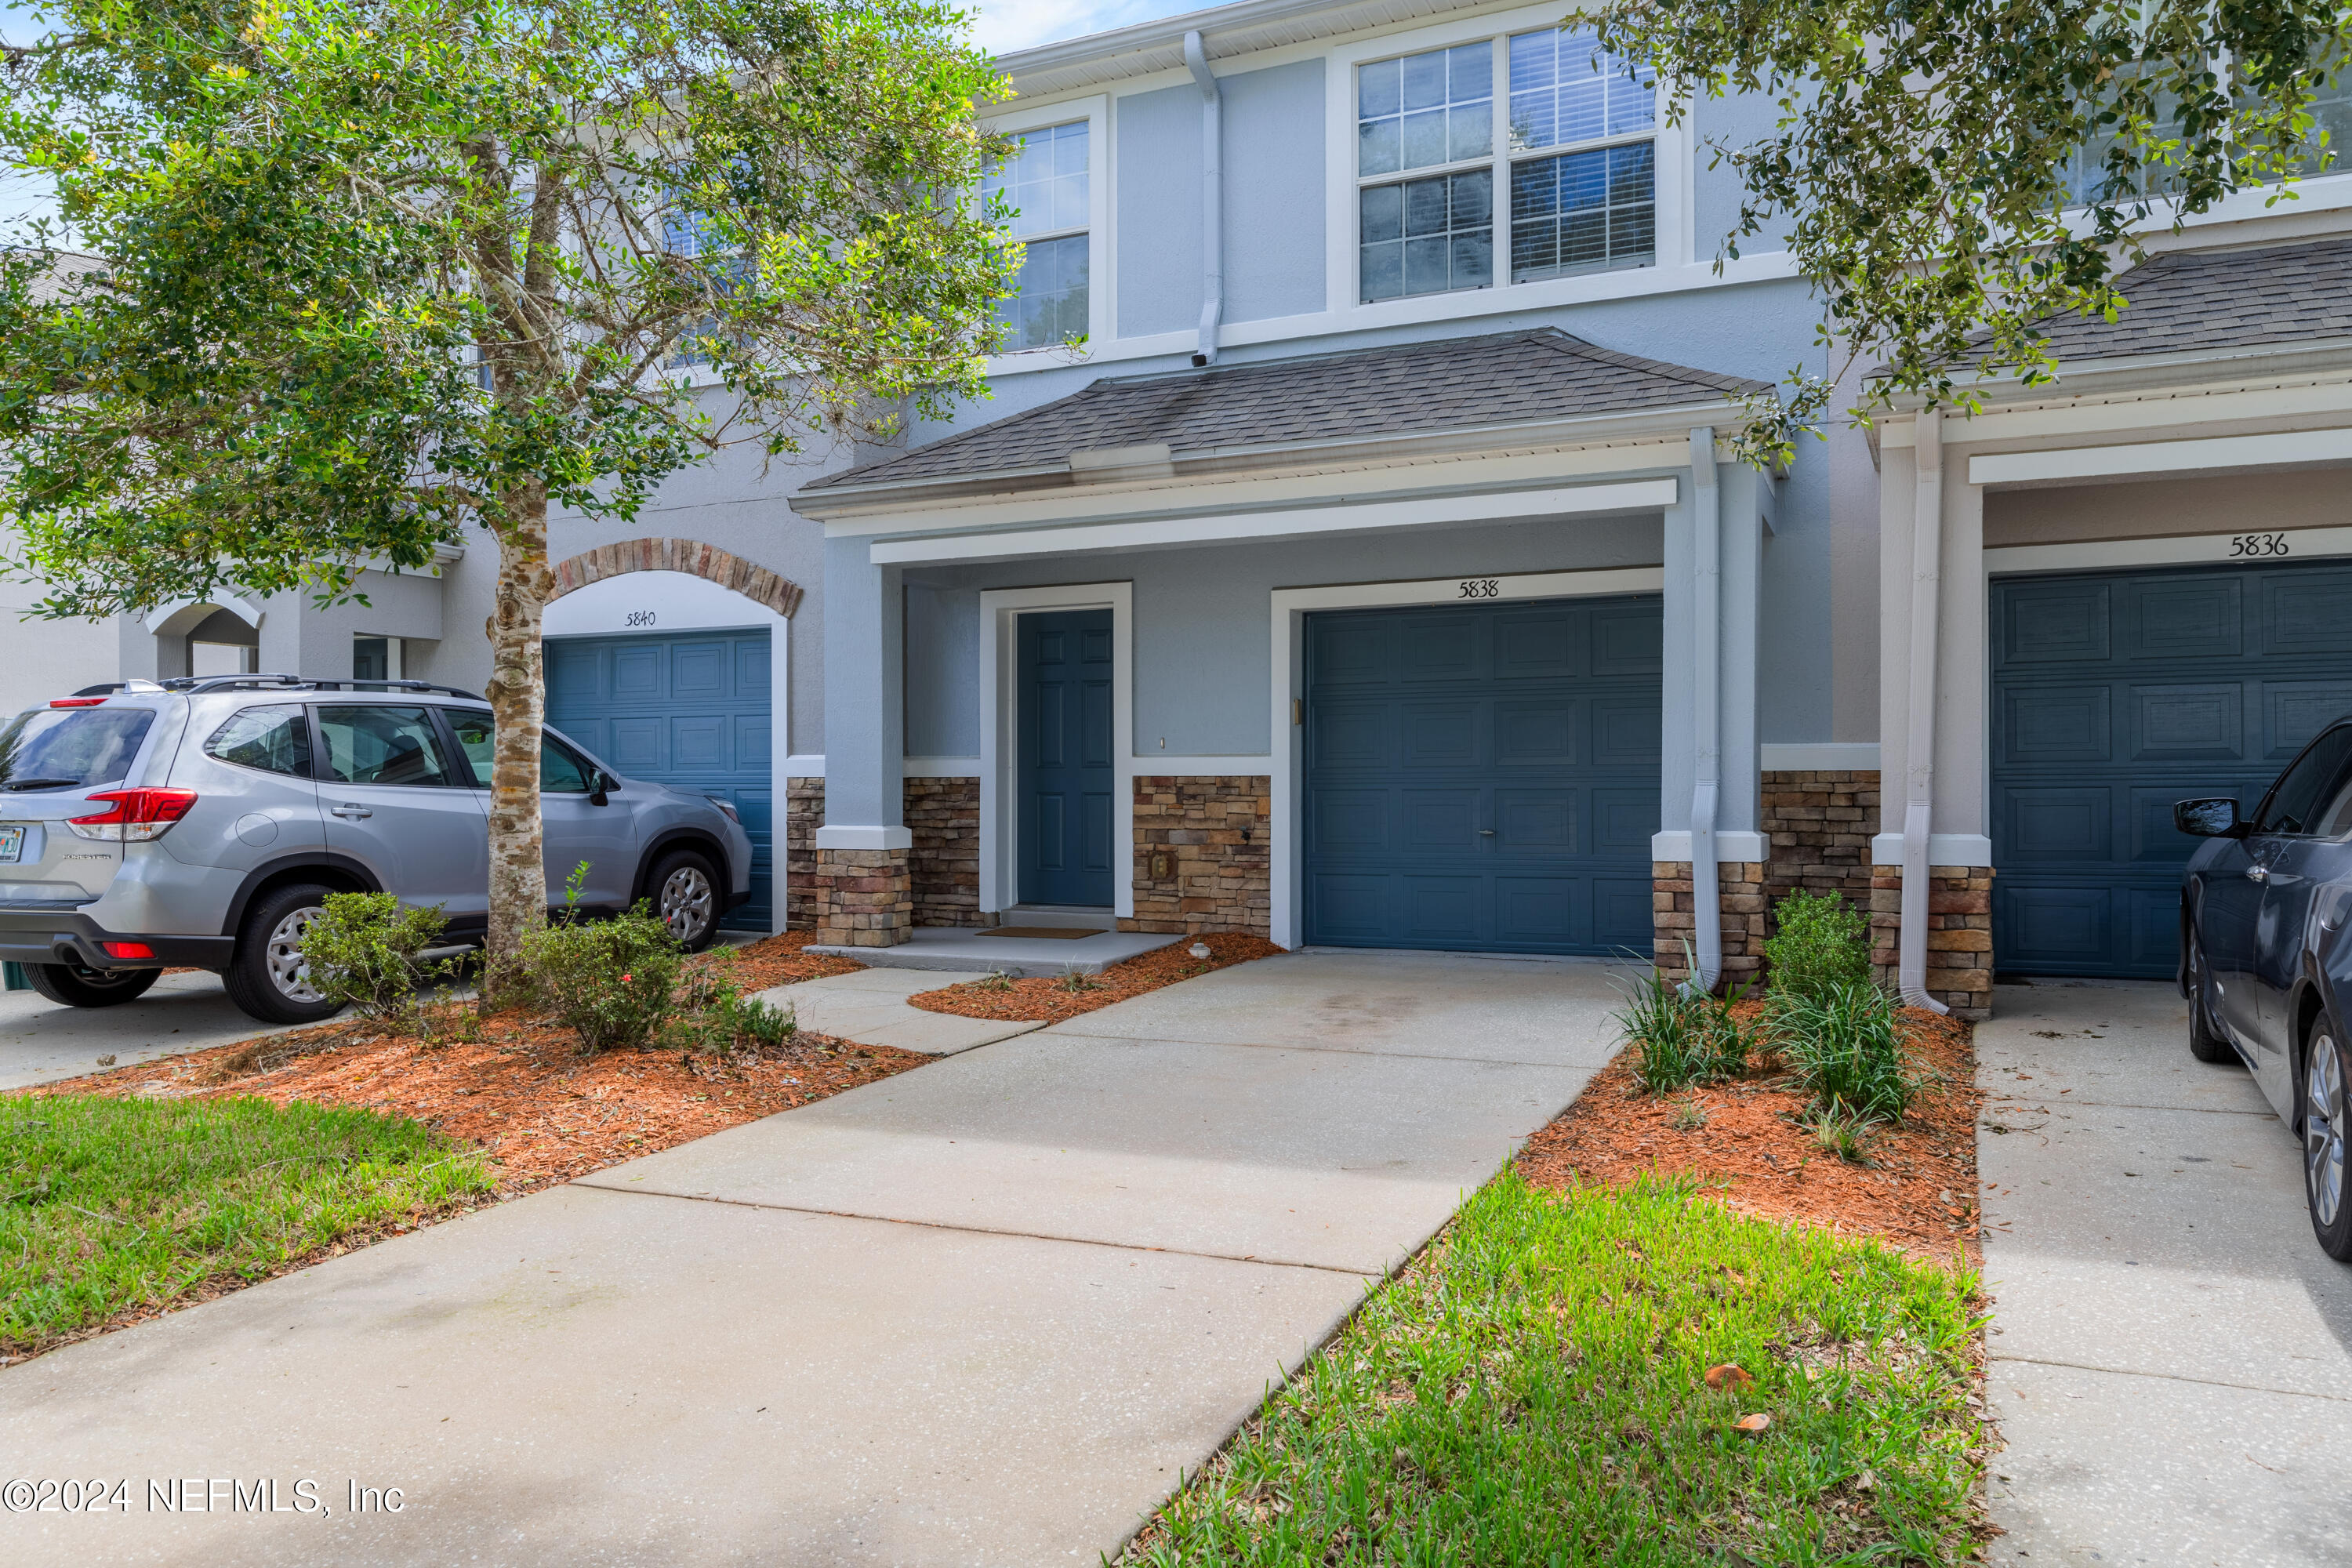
[[2171, 1352], [986, 1312]]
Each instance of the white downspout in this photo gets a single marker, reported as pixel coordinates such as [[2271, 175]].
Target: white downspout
[[1706, 705], [1919, 772], [1213, 198]]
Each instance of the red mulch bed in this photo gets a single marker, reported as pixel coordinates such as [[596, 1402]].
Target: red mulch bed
[[1039, 999], [522, 1091], [1919, 1194]]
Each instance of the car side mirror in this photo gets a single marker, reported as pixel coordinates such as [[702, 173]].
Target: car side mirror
[[2210, 820], [599, 782]]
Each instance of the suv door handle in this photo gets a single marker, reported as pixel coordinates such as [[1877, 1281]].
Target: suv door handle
[[353, 810], [2258, 873]]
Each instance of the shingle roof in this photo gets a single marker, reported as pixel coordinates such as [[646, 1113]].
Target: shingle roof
[[2188, 301], [1511, 378]]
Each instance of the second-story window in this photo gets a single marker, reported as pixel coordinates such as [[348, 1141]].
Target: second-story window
[[1046, 182], [1590, 202], [1433, 112]]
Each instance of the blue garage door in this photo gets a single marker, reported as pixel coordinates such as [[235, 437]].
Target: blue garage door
[[1483, 777], [2115, 695], [690, 709]]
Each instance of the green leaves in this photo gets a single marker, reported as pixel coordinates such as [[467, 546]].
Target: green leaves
[[1948, 172], [380, 272]]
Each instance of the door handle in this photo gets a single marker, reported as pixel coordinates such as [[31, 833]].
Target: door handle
[[353, 810], [2258, 873], [1485, 833]]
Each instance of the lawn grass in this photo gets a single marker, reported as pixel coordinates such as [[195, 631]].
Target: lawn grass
[[111, 1204], [1533, 1391]]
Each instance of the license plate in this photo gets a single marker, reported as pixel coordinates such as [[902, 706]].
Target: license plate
[[12, 843]]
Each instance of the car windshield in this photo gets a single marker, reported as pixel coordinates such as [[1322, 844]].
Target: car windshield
[[57, 747]]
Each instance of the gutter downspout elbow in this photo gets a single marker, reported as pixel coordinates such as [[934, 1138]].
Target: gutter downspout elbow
[[1707, 704], [1919, 760], [1213, 198]]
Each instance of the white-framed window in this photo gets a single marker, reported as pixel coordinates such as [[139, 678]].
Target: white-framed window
[[1575, 162], [1049, 183], [1589, 200]]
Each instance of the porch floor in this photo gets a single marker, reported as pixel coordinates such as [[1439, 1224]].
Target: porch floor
[[975, 951]]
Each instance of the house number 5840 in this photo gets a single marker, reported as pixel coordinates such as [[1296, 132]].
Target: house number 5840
[[1480, 588]]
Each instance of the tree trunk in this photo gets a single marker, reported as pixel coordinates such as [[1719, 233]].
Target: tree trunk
[[518, 707]]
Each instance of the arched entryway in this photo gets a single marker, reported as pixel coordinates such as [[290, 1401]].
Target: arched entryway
[[666, 658]]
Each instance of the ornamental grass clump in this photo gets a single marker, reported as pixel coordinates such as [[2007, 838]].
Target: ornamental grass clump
[[1822, 943], [367, 953], [1681, 1035], [1845, 1049], [715, 1017]]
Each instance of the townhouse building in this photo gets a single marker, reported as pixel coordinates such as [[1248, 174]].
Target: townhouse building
[[1350, 553]]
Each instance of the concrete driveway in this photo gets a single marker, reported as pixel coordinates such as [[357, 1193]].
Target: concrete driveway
[[988, 1312], [41, 1042], [2171, 1354]]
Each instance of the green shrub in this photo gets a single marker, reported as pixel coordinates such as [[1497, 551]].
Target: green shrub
[[613, 983], [365, 952], [715, 1016], [1842, 1044], [1680, 1036], [1823, 941]]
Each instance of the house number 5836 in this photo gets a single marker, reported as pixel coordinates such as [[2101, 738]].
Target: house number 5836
[[1480, 588]]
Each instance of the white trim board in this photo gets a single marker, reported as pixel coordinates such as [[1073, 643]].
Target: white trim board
[[804, 765], [830, 838], [1818, 756], [1289, 609], [940, 767], [1943, 849], [2179, 550], [1732, 846], [1563, 501], [1000, 859], [2146, 459]]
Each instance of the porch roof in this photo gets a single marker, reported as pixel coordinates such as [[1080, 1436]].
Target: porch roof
[[2194, 302], [1529, 377]]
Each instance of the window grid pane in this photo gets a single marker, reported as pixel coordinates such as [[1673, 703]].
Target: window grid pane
[[1045, 179], [1425, 109], [1427, 237], [1049, 302], [1566, 88], [1581, 212]]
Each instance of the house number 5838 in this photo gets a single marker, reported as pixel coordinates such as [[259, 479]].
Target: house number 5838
[[1480, 588]]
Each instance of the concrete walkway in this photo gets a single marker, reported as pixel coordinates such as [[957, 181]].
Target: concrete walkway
[[987, 1312], [2171, 1351], [870, 1007]]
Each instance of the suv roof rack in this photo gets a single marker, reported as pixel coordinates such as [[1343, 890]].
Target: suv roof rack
[[192, 684]]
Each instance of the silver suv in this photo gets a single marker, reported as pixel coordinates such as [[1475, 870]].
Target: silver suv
[[202, 822]]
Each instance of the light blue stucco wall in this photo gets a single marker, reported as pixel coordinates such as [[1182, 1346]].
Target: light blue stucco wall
[[1157, 192], [1274, 192]]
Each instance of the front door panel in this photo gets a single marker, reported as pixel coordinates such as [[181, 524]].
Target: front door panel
[[1068, 779]]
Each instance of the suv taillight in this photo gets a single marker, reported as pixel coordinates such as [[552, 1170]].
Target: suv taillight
[[135, 815]]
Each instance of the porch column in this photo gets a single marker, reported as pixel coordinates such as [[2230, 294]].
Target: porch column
[[859, 887], [1708, 763]]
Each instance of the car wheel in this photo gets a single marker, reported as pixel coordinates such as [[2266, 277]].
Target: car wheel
[[686, 899], [269, 978], [2328, 1067], [79, 985], [2206, 1043]]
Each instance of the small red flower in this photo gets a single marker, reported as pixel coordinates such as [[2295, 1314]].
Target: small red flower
[[624, 980]]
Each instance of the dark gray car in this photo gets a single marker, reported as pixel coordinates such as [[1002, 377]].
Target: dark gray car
[[2264, 961], [202, 822]]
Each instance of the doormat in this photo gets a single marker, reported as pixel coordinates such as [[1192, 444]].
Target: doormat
[[1047, 933]]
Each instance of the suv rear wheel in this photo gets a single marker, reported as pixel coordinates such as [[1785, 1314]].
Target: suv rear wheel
[[2322, 1098], [269, 978], [2206, 1043], [686, 898], [79, 985]]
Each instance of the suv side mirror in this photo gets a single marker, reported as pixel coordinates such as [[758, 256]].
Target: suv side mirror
[[600, 781], [2210, 820]]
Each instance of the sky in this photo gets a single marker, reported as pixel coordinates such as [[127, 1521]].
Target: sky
[[1002, 26]]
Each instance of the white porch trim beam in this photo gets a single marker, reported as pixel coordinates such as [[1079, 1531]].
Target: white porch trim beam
[[1564, 500], [2146, 460]]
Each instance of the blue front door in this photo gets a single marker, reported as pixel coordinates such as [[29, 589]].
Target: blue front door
[[1483, 777], [1067, 781], [2115, 694], [690, 709]]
